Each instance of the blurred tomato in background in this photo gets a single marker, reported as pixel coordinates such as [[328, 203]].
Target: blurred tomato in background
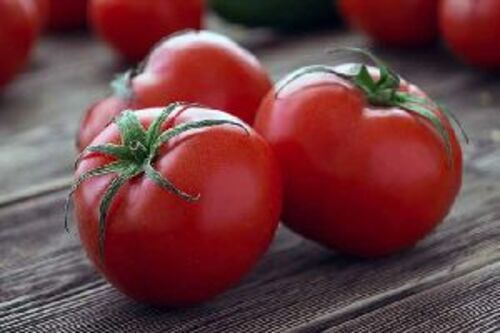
[[471, 28], [197, 67], [133, 27], [67, 14], [43, 8], [397, 23], [19, 29]]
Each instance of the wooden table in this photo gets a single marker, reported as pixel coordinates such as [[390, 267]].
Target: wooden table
[[448, 283]]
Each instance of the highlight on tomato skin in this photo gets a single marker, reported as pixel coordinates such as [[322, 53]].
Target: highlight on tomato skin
[[470, 29], [133, 27], [181, 215], [224, 76], [365, 172], [394, 23]]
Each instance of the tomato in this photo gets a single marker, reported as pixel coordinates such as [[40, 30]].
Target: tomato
[[471, 30], [399, 23], [133, 27], [19, 29], [179, 248], [366, 171], [43, 8], [67, 14], [198, 67]]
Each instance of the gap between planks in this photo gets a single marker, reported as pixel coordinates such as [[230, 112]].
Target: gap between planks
[[376, 302], [450, 303], [54, 186]]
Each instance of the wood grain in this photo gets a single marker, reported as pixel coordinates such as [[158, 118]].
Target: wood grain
[[47, 285], [468, 304]]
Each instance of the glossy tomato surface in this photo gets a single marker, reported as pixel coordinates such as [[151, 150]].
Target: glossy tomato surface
[[162, 250], [471, 29], [133, 27], [364, 180], [197, 67], [398, 23], [67, 15], [19, 29], [36, 10], [99, 116]]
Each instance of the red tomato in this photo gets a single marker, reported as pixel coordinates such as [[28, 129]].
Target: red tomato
[[133, 27], [471, 29], [19, 28], [399, 23], [198, 67], [67, 14], [366, 180], [43, 8], [167, 251]]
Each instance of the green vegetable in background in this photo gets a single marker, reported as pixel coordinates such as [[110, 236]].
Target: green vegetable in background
[[279, 14]]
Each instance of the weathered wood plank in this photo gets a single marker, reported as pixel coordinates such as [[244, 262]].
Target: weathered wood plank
[[467, 304], [47, 285], [40, 112]]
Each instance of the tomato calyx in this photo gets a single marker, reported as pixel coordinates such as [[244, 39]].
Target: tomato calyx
[[122, 84], [384, 92], [135, 156]]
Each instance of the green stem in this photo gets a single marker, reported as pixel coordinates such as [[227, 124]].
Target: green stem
[[384, 92], [135, 155]]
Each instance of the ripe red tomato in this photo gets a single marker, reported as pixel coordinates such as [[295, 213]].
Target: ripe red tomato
[[362, 173], [399, 23], [133, 27], [471, 29], [198, 67], [19, 29], [178, 249], [67, 14], [43, 8]]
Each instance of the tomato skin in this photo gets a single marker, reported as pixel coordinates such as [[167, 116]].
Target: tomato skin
[[398, 23], [197, 67], [42, 9], [67, 15], [363, 180], [164, 251], [19, 29], [102, 114], [35, 10], [133, 27], [471, 30]]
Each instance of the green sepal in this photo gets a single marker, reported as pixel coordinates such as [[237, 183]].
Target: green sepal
[[182, 128], [116, 151], [433, 118], [114, 167], [135, 156], [154, 131], [383, 92], [113, 188], [302, 72], [165, 184]]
